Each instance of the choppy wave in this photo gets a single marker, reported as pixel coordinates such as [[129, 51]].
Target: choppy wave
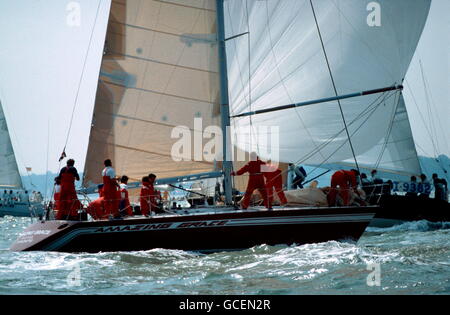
[[412, 260], [422, 226]]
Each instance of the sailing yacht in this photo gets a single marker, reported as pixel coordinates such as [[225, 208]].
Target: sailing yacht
[[15, 200], [325, 74]]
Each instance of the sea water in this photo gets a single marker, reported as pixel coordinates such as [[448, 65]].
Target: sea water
[[413, 258]]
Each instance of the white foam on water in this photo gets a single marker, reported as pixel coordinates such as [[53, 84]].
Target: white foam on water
[[422, 226]]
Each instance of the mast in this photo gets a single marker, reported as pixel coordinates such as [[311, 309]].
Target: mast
[[227, 166]]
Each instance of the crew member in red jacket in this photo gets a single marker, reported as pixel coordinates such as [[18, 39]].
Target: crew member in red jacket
[[110, 188], [69, 203], [96, 208], [125, 206], [144, 197], [274, 179], [57, 196], [345, 180], [155, 195], [256, 181]]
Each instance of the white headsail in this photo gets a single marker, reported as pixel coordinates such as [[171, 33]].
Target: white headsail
[[9, 172], [280, 61]]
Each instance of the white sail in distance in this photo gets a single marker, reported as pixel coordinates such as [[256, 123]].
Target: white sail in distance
[[279, 60], [159, 71], [9, 172]]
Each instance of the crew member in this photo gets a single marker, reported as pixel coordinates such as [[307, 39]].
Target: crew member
[[345, 180], [274, 179], [412, 191], [144, 197], [96, 208], [256, 181], [25, 197], [11, 199], [155, 195], [69, 203], [440, 188], [57, 195], [426, 184], [299, 174], [5, 198], [124, 207], [110, 188], [375, 179]]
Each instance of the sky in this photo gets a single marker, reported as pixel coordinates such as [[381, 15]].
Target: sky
[[43, 50]]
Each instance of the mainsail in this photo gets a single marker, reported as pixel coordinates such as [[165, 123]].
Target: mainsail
[[9, 172], [279, 60], [159, 71]]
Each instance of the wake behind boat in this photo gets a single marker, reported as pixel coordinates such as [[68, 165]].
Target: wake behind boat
[[213, 230]]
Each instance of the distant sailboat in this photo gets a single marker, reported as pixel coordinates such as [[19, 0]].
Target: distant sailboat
[[14, 199], [329, 80]]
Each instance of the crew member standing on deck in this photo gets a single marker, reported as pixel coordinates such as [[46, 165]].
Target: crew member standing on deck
[[256, 181], [345, 180], [5, 198], [124, 207], [110, 188], [144, 197], [69, 203], [155, 195], [274, 179], [57, 195]]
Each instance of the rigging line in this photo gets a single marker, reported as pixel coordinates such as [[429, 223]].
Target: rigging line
[[363, 113], [48, 149], [430, 118], [236, 55], [334, 85], [252, 130], [264, 60], [420, 114], [372, 111], [279, 73], [82, 75], [361, 37], [433, 105], [386, 139], [369, 110], [360, 126]]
